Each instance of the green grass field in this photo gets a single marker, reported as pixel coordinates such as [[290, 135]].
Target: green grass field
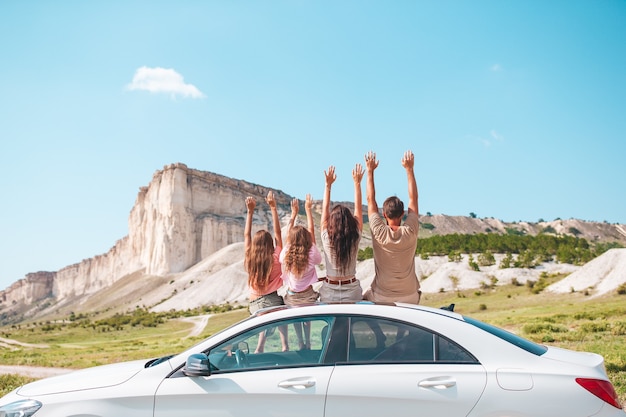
[[573, 321]]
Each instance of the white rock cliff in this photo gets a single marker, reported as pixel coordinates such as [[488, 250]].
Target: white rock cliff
[[181, 217]]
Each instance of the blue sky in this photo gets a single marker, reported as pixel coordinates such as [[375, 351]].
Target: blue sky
[[514, 109]]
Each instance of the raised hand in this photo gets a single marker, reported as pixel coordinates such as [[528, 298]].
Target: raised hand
[[370, 161], [270, 199], [330, 175], [295, 207], [357, 173], [408, 160], [250, 203]]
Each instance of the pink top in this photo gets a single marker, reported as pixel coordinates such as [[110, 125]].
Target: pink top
[[275, 281], [310, 275]]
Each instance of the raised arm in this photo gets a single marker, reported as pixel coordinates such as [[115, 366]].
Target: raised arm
[[278, 238], [294, 215], [247, 234], [308, 207], [357, 176], [408, 162], [330, 178], [371, 164]]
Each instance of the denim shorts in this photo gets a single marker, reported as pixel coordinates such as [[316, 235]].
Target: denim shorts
[[267, 300]]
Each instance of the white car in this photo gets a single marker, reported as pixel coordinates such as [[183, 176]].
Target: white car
[[361, 359]]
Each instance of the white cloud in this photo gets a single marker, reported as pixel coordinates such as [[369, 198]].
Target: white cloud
[[163, 80], [496, 135], [496, 67], [487, 142]]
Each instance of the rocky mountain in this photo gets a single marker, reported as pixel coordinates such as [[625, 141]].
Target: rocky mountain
[[185, 234]]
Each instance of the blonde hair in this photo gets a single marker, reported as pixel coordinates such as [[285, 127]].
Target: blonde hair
[[297, 255]]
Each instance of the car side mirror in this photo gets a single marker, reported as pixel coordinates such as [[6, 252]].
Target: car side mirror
[[243, 346], [197, 365]]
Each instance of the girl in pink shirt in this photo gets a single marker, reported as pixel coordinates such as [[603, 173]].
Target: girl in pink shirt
[[262, 264], [299, 258]]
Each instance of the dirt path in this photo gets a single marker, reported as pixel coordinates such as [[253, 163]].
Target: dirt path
[[199, 322], [33, 371], [13, 344]]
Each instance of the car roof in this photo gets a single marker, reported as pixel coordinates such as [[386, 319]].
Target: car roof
[[359, 307]]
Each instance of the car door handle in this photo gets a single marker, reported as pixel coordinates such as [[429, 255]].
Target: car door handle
[[438, 383], [297, 383]]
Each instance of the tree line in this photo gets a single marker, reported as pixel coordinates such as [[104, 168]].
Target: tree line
[[524, 251]]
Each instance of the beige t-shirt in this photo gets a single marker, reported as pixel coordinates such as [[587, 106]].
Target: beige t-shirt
[[394, 260]]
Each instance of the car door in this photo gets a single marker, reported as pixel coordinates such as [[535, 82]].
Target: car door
[[398, 369], [249, 382]]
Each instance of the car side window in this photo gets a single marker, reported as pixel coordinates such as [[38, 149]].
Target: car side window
[[385, 341], [288, 343]]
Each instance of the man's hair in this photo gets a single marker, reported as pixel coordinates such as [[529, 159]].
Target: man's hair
[[393, 208]]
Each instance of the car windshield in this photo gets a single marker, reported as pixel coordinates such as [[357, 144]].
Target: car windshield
[[527, 345]]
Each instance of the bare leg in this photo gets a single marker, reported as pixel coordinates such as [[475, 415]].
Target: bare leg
[[307, 334], [283, 337], [298, 328], [260, 346]]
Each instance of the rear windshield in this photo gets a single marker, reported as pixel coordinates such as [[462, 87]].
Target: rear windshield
[[527, 345]]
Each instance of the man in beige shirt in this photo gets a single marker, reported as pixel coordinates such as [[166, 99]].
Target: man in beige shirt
[[394, 243]]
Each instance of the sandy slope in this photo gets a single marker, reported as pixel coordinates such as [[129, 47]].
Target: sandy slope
[[599, 276], [220, 278]]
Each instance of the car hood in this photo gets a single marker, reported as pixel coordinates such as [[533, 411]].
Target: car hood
[[84, 379]]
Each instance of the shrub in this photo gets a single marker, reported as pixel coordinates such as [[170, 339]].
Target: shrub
[[594, 327], [486, 259], [455, 256], [367, 253], [574, 231], [535, 328], [473, 264], [507, 261], [428, 226], [618, 328]]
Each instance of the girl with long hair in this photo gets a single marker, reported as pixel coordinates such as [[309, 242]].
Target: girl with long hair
[[341, 233], [299, 258], [262, 264]]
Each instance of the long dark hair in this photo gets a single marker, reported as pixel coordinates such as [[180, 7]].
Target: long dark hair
[[343, 234]]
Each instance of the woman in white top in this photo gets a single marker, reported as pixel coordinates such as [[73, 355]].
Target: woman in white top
[[341, 233]]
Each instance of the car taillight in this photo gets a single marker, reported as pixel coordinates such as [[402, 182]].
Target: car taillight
[[601, 389]]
